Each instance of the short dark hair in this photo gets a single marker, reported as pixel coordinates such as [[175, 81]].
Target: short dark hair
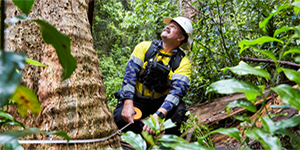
[[183, 33]]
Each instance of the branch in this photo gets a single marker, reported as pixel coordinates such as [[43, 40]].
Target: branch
[[269, 61]]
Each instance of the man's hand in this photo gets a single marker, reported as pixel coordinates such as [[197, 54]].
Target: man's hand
[[155, 116], [128, 111]]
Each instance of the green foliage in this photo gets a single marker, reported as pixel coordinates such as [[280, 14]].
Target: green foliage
[[10, 79], [26, 100], [36, 63], [61, 43], [268, 135], [160, 142], [24, 6]]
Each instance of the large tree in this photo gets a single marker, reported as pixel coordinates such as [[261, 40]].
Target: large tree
[[77, 105]]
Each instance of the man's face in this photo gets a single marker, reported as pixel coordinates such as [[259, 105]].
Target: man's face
[[172, 32]]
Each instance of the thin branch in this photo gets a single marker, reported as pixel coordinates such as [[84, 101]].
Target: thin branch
[[269, 61], [222, 36]]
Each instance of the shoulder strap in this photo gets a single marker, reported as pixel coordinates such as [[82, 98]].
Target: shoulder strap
[[174, 63], [175, 60], [152, 50]]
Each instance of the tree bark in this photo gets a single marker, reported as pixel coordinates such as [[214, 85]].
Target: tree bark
[[77, 105]]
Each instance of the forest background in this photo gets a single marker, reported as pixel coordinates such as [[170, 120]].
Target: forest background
[[219, 27]]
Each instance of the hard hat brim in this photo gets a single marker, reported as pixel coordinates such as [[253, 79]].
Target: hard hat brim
[[167, 20]]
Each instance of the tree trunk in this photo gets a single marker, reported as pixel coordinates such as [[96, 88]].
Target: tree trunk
[[77, 105]]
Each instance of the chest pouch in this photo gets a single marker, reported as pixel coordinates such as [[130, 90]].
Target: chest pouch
[[155, 77]]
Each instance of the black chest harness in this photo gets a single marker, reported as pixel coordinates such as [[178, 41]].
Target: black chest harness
[[156, 74]]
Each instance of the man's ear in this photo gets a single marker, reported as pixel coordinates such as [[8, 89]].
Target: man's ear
[[181, 38]]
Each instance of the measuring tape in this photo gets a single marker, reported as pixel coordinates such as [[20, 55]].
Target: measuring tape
[[137, 116]]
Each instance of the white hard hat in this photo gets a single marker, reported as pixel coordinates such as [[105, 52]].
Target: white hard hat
[[186, 25]]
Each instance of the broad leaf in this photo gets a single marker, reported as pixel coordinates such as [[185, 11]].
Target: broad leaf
[[241, 103], [283, 29], [287, 106], [171, 140], [231, 86], [244, 69], [297, 6], [14, 145], [242, 118], [245, 43], [9, 78], [251, 97], [267, 141], [61, 134], [11, 135], [295, 139], [291, 122], [26, 100], [24, 5], [232, 132], [291, 74], [288, 95], [135, 140], [191, 146], [36, 63], [268, 125], [168, 124], [297, 31], [152, 123], [148, 138], [264, 22], [293, 50], [9, 120], [267, 53], [297, 59], [61, 43]]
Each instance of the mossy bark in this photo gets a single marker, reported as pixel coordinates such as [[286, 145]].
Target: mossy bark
[[77, 105]]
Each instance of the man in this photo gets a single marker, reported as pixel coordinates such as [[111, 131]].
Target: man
[[138, 89]]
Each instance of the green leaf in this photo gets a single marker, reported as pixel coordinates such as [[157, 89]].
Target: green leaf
[[26, 100], [265, 22], [288, 95], [297, 31], [10, 79], [24, 5], [242, 118], [291, 122], [245, 43], [135, 140], [241, 103], [232, 132], [267, 141], [153, 124], [148, 138], [295, 139], [18, 18], [191, 146], [14, 145], [293, 50], [283, 29], [291, 74], [10, 135], [267, 53], [231, 86], [61, 43], [281, 106], [251, 97], [36, 63], [61, 134], [244, 69], [4, 115], [297, 59], [268, 125], [297, 7], [171, 140], [168, 124]]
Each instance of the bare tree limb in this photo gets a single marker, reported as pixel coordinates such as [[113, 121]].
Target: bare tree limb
[[269, 61]]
